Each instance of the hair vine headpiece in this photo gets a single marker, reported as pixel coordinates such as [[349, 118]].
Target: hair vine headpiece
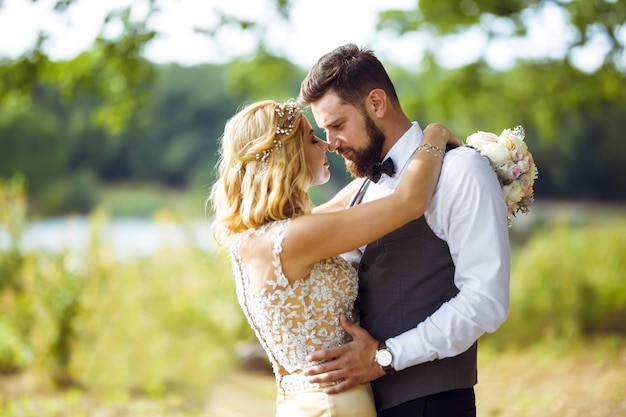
[[286, 116], [284, 126]]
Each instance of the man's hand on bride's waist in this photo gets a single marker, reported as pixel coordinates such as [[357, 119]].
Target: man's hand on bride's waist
[[350, 364]]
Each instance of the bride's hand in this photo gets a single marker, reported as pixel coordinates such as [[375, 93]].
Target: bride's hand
[[440, 130]]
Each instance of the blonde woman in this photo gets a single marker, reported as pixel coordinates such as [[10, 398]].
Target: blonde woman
[[291, 282]]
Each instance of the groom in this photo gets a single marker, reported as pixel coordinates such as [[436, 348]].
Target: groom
[[430, 289]]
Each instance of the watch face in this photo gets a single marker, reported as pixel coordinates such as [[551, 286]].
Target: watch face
[[383, 357]]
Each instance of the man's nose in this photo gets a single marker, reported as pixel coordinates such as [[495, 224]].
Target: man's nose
[[333, 143]]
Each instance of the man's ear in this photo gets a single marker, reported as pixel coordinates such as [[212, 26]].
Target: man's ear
[[377, 102]]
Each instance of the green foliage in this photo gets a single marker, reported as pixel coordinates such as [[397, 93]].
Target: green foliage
[[162, 123], [113, 71], [166, 322], [179, 145], [37, 292], [134, 200], [566, 130], [66, 158], [571, 117], [32, 143], [13, 202], [55, 146], [77, 193], [15, 354], [74, 403], [154, 200], [567, 284], [506, 20], [264, 77]]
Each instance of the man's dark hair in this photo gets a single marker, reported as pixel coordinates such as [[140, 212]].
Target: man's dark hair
[[349, 71]]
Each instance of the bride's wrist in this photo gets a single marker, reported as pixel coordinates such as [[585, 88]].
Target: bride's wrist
[[431, 149]]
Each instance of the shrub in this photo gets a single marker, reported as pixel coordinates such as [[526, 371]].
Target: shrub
[[15, 354], [79, 193], [145, 324], [155, 323], [567, 284]]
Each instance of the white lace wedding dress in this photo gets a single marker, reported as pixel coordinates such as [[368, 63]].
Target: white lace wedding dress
[[292, 320]]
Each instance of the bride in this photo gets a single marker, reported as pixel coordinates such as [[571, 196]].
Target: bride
[[291, 282]]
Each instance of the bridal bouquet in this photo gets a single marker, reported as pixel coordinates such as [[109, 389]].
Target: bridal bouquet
[[513, 163]]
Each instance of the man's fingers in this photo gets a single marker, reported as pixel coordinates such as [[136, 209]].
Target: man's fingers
[[324, 354], [440, 129], [328, 377], [344, 385], [320, 368]]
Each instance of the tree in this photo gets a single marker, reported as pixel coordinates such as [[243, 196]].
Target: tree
[[114, 71], [511, 20], [572, 115]]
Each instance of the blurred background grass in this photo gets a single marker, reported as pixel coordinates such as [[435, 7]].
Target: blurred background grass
[[146, 325], [158, 331]]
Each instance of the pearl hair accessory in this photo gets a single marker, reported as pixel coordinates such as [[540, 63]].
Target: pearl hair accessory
[[266, 154], [284, 126], [289, 109]]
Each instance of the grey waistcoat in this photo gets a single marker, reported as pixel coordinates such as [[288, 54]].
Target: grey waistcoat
[[403, 278]]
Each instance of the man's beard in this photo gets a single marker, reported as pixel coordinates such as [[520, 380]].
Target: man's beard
[[363, 160]]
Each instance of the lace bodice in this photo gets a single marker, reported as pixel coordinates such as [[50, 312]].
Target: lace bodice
[[292, 320]]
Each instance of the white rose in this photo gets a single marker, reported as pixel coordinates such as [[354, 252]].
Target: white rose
[[513, 192], [515, 139], [520, 145], [479, 139], [497, 153]]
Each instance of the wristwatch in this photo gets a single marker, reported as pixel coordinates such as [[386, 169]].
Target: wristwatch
[[384, 359]]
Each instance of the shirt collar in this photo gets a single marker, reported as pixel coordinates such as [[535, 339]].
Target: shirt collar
[[403, 149]]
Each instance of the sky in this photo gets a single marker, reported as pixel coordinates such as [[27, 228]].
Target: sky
[[313, 31], [316, 27]]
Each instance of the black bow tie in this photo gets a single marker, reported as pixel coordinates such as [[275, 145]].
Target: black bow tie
[[379, 168]]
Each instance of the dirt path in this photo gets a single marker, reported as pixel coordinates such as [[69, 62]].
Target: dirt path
[[588, 383], [240, 394], [583, 384]]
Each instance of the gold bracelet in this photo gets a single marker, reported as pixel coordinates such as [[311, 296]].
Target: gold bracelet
[[435, 151]]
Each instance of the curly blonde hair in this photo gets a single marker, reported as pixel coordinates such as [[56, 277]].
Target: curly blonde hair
[[262, 170]]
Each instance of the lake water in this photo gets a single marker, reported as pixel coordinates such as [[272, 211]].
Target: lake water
[[128, 236]]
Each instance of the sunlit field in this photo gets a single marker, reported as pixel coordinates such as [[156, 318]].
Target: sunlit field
[[542, 381], [85, 333], [588, 381]]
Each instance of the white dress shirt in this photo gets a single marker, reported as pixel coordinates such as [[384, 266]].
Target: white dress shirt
[[469, 213]]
